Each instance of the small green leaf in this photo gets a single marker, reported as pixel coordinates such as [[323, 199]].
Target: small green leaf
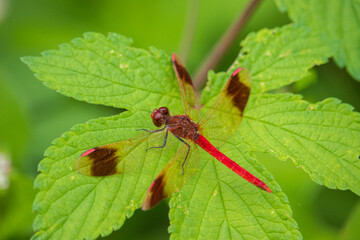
[[339, 19], [280, 56], [322, 138], [109, 71], [217, 204]]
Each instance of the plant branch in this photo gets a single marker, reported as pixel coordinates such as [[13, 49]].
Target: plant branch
[[223, 44]]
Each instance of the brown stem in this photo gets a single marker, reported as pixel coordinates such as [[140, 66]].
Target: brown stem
[[223, 44]]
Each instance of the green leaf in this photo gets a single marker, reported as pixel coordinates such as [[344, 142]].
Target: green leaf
[[322, 138], [74, 206], [339, 19], [109, 71], [275, 58], [278, 57], [216, 204]]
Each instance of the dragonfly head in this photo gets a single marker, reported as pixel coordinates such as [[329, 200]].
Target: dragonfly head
[[160, 116]]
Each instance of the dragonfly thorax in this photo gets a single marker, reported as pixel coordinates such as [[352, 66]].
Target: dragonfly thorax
[[182, 126]]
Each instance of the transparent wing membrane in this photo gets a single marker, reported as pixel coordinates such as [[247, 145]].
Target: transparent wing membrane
[[173, 176], [188, 94], [115, 158], [226, 111]]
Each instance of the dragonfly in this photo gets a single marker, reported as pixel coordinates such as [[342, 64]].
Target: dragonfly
[[229, 107]]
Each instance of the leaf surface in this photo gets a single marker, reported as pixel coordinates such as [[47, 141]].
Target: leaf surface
[[339, 19], [218, 204], [109, 71], [75, 206], [278, 57], [322, 138]]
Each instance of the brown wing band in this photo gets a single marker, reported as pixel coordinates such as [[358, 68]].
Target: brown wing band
[[238, 91], [104, 161], [181, 70], [155, 193]]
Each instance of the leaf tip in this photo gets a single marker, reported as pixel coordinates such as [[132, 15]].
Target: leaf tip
[[27, 60]]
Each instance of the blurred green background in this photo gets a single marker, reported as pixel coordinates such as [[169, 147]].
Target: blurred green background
[[31, 115]]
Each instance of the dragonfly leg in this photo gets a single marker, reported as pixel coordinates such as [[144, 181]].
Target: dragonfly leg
[[165, 140], [151, 131], [182, 166]]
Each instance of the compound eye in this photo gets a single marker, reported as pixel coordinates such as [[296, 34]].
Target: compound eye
[[157, 118], [154, 112], [164, 111]]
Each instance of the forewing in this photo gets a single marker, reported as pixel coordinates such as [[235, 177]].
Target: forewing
[[114, 158], [186, 87], [172, 178], [225, 114]]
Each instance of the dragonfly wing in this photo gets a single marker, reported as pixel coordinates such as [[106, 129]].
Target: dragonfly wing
[[187, 91], [172, 177], [225, 114], [114, 158]]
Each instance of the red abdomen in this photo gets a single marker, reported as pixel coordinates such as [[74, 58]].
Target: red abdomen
[[242, 172]]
